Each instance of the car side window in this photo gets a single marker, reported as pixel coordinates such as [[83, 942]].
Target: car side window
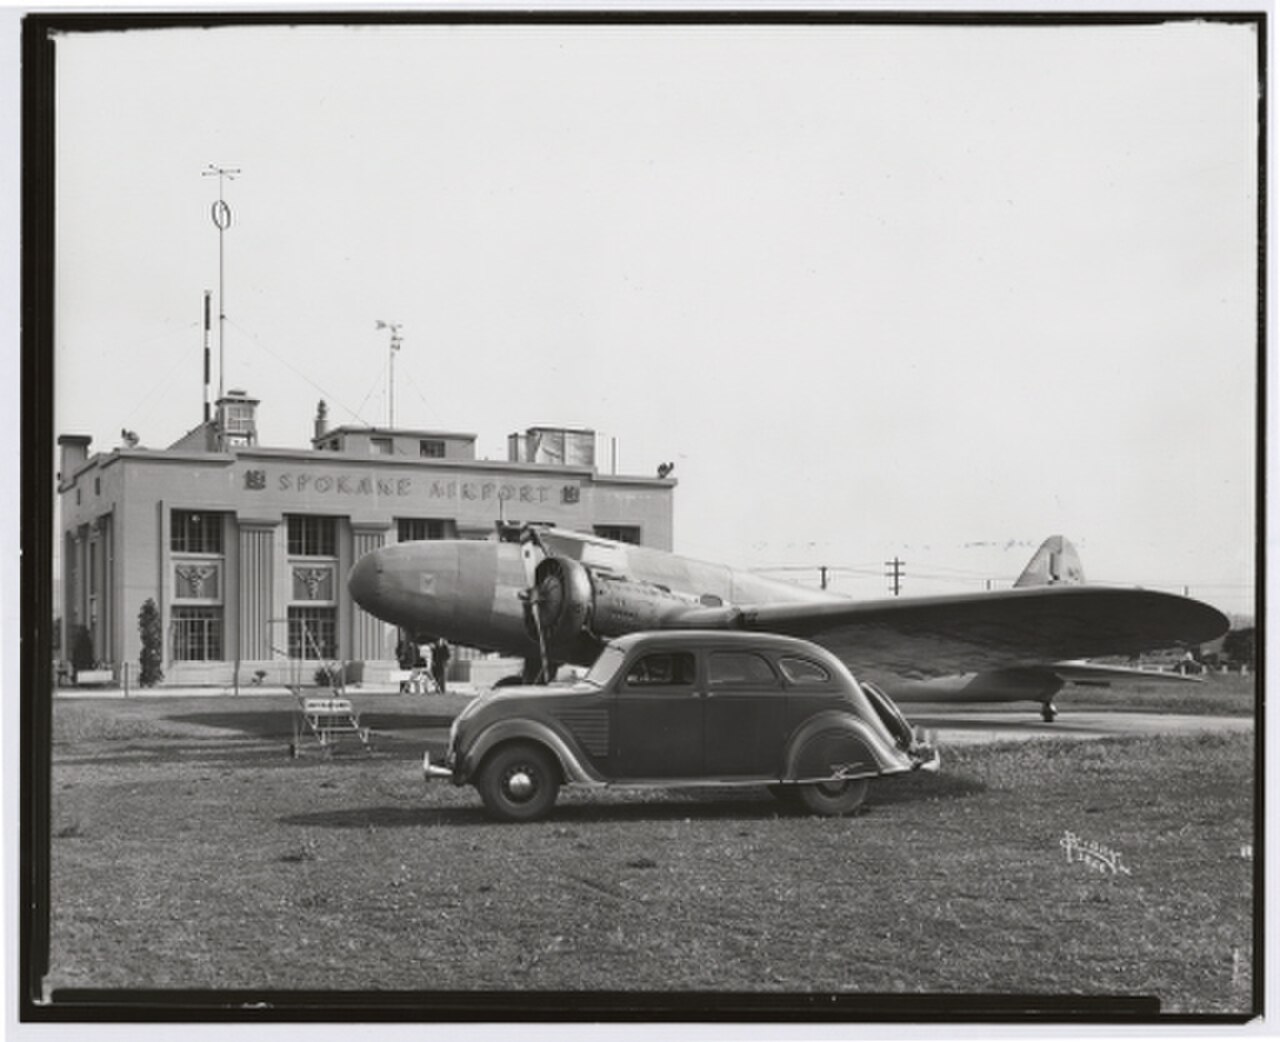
[[662, 669], [740, 669], [804, 671]]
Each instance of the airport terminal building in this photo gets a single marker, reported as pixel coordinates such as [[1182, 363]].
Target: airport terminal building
[[245, 549]]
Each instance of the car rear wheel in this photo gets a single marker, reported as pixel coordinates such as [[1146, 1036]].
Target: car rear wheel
[[519, 783], [834, 798]]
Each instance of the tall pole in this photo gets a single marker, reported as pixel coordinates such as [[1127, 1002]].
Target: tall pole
[[206, 355], [391, 369], [895, 574], [221, 213]]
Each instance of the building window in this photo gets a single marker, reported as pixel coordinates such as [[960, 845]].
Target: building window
[[380, 446], [239, 419], [431, 447], [619, 533], [197, 634], [411, 529], [195, 532], [311, 536], [313, 633]]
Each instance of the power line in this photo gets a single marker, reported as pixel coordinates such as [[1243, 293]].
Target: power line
[[298, 372]]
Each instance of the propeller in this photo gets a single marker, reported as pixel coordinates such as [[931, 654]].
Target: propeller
[[531, 552]]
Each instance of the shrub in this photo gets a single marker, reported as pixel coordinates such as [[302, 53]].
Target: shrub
[[152, 635], [81, 648]]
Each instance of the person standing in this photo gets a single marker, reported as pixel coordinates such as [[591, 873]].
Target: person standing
[[440, 663]]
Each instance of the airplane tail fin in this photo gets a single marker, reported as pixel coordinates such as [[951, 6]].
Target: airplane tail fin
[[1055, 563]]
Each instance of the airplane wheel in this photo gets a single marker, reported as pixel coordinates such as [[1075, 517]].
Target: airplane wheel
[[519, 782], [834, 798], [1049, 712]]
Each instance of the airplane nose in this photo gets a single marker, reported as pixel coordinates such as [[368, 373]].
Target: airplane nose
[[365, 580]]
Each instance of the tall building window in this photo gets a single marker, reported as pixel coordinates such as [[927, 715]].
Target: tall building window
[[197, 634], [195, 532], [431, 447], [410, 529], [619, 533], [313, 633], [313, 536]]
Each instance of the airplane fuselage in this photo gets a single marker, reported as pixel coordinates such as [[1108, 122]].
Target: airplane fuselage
[[470, 591]]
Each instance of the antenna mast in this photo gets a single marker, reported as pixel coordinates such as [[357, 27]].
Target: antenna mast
[[391, 369], [207, 294], [221, 213]]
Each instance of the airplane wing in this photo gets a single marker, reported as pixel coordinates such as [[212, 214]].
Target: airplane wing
[[1102, 674], [1029, 626]]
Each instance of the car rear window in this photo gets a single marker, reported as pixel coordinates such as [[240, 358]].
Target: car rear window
[[804, 671], [740, 669], [662, 669]]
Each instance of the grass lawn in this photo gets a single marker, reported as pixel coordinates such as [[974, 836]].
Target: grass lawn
[[190, 851]]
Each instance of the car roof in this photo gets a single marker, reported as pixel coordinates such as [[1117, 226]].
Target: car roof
[[775, 642]]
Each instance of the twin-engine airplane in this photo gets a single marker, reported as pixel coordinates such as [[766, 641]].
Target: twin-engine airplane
[[553, 597]]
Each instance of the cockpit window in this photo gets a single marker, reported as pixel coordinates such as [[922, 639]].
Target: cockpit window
[[804, 671], [662, 669]]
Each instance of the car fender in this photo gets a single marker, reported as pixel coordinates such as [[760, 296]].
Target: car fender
[[573, 764], [836, 744]]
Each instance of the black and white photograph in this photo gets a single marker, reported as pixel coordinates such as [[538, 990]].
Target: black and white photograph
[[589, 516]]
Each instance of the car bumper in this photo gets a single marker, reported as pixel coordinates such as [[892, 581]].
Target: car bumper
[[926, 759], [435, 771]]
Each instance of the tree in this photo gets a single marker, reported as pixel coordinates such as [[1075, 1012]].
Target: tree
[[152, 635], [81, 648], [1239, 647]]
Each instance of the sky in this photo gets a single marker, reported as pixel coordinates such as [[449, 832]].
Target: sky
[[916, 291]]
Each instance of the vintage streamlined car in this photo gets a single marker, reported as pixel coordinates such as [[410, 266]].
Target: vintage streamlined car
[[681, 709]]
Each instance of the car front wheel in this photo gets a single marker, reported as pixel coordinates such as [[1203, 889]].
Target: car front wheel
[[834, 798], [519, 783]]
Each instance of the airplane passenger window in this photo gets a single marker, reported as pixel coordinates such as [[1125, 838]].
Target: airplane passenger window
[[804, 671], [740, 669], [662, 669]]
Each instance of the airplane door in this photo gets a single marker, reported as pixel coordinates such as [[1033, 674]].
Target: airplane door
[[744, 716], [658, 727]]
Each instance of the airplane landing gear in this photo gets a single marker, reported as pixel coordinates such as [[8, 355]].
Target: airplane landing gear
[[1049, 712]]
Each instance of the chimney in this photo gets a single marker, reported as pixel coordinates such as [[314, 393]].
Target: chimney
[[322, 420], [75, 453]]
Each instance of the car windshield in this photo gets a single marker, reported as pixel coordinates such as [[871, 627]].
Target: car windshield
[[605, 666]]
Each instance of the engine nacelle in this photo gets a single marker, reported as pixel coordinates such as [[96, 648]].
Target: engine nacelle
[[562, 596], [578, 608]]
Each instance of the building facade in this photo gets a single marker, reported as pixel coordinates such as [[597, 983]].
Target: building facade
[[245, 549]]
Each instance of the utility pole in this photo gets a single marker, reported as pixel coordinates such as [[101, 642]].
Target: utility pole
[[222, 220], [391, 370], [895, 574]]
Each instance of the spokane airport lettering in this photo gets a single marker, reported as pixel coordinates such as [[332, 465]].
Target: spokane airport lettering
[[346, 485]]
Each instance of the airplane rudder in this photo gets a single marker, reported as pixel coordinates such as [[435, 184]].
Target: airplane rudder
[[1055, 563]]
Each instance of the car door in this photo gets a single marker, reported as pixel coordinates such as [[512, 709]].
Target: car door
[[658, 727], [744, 716]]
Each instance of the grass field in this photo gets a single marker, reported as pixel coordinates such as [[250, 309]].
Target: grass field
[[190, 851]]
